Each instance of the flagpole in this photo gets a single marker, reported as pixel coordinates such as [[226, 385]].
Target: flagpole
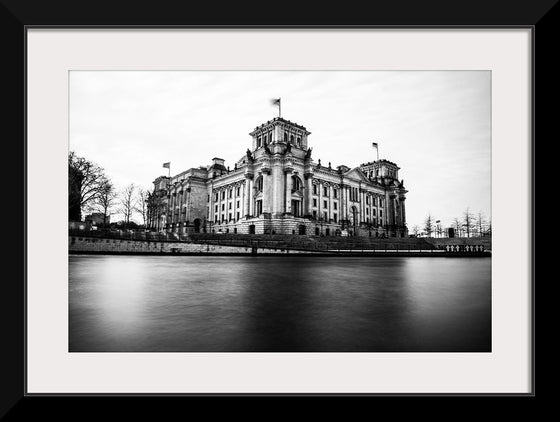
[[279, 106]]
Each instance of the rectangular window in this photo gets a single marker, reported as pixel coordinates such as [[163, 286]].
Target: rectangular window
[[335, 219], [216, 208], [229, 217], [325, 191], [335, 205], [380, 213], [373, 211], [367, 211], [314, 214], [230, 193], [216, 198], [208, 200], [367, 200], [325, 205], [229, 207], [314, 189], [374, 201], [325, 217], [237, 204], [238, 215], [238, 191], [314, 202], [223, 194], [223, 207], [335, 193]]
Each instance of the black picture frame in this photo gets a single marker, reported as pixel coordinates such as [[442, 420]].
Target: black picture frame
[[19, 15]]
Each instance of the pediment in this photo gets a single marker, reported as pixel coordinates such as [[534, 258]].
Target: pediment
[[356, 174]]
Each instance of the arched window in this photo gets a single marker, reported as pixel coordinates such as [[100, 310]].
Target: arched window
[[259, 142], [265, 140], [285, 136], [296, 183], [298, 141], [259, 184], [291, 139]]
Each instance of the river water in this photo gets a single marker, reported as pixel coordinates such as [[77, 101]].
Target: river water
[[279, 304]]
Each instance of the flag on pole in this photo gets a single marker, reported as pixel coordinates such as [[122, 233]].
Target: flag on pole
[[168, 167], [276, 101], [374, 144]]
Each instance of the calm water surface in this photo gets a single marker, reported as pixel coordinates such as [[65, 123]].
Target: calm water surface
[[279, 304]]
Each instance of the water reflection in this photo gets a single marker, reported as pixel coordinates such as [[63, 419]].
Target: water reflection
[[280, 304]]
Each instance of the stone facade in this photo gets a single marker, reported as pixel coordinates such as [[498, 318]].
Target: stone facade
[[277, 188]]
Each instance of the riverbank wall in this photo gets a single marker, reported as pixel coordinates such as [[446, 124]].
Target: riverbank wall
[[95, 245], [105, 246]]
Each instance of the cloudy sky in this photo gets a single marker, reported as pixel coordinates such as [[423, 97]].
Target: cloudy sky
[[434, 124]]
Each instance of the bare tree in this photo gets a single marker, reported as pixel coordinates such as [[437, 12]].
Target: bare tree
[[468, 221], [106, 201], [85, 184], [141, 204], [429, 225], [415, 230], [127, 203], [481, 223], [457, 226]]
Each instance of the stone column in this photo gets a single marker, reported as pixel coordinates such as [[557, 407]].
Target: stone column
[[173, 204], [267, 191], [277, 191], [395, 211], [188, 206], [251, 188], [320, 201], [247, 196], [341, 203], [331, 200], [308, 195], [211, 203], [242, 200], [288, 208], [362, 205]]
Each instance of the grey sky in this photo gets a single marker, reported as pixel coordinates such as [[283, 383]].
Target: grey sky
[[434, 124]]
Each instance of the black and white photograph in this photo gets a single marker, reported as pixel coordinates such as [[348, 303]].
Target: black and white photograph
[[279, 211]]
